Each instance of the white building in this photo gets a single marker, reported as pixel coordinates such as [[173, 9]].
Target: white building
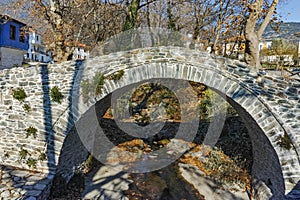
[[37, 49], [266, 44], [80, 52], [283, 59]]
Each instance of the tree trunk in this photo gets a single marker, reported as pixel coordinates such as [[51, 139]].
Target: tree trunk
[[253, 33], [55, 18], [251, 50], [219, 26], [61, 52], [215, 45], [252, 37], [131, 16]]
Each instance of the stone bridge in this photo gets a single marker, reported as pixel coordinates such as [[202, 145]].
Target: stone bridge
[[269, 107]]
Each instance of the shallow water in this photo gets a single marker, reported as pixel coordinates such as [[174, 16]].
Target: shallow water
[[163, 184]]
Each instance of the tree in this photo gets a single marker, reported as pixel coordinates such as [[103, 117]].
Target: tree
[[224, 10], [260, 13], [202, 12], [283, 52], [133, 8], [67, 23], [64, 24]]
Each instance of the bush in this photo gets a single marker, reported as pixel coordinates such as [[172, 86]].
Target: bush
[[218, 166], [284, 141], [19, 94], [6, 155], [117, 76], [23, 153], [26, 107], [42, 157], [56, 95], [99, 82], [89, 164], [31, 162], [25, 65], [31, 131]]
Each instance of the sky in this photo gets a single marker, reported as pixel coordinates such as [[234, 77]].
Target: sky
[[289, 10]]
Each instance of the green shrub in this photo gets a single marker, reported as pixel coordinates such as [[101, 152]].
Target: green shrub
[[19, 94], [31, 131], [25, 65], [42, 157], [284, 141], [89, 164], [23, 153], [6, 155], [26, 107], [99, 82], [117, 76], [212, 104], [31, 162], [56, 95]]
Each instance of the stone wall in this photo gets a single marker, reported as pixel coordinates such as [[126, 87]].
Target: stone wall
[[273, 104], [14, 119], [11, 57]]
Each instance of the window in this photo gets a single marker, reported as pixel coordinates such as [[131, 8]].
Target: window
[[12, 32], [37, 38], [22, 35]]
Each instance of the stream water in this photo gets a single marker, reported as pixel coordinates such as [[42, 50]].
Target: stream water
[[162, 184]]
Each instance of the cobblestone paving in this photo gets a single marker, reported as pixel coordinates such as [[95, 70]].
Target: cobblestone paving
[[23, 184]]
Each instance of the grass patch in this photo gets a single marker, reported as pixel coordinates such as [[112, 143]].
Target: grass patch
[[56, 95], [218, 166], [116, 76], [26, 107], [19, 94], [284, 142], [31, 162], [42, 157], [31, 131], [23, 153]]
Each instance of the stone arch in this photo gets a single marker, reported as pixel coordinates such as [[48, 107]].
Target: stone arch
[[233, 79]]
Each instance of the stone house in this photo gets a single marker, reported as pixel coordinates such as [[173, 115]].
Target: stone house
[[13, 42]]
